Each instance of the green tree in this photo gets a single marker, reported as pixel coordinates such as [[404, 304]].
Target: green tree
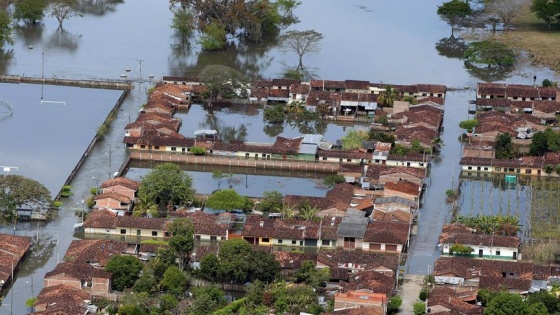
[[388, 96], [235, 260], [219, 175], [182, 21], [17, 191], [549, 83], [461, 249], [125, 270], [454, 11], [333, 179], [222, 82], [63, 10], [490, 54], [210, 267], [539, 144], [308, 212], [174, 281], [468, 124], [485, 296], [226, 199], [381, 136], [264, 267], [419, 308], [310, 275], [293, 299], [394, 303], [274, 114], [5, 29], [301, 43], [167, 183], [270, 201], [182, 240], [167, 302], [546, 10], [213, 38], [506, 304], [207, 300], [537, 309], [146, 283], [353, 139], [504, 146], [551, 302], [30, 11]]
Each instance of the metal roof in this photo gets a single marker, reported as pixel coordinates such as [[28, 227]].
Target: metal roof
[[312, 139], [201, 132], [306, 148]]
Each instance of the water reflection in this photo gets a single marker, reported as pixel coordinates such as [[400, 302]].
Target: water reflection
[[64, 40], [451, 47], [98, 7], [42, 251], [488, 74], [6, 56], [29, 34]]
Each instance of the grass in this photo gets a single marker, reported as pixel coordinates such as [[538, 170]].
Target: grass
[[531, 35]]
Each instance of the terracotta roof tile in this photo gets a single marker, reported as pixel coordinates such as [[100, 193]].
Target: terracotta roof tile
[[122, 181], [93, 251]]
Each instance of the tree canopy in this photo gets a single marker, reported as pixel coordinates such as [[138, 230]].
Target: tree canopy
[[301, 43], [453, 11], [353, 139], [5, 29], [226, 199], [506, 304], [30, 11], [504, 146], [545, 141], [63, 10], [17, 191], [181, 241], [222, 82], [125, 269], [490, 54], [167, 183], [505, 10], [251, 20], [271, 201], [174, 281], [546, 10]]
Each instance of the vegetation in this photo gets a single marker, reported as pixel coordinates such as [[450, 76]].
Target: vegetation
[[504, 148], [213, 38], [222, 82], [174, 282], [63, 10], [489, 54], [19, 192], [469, 124], [248, 20], [226, 199], [419, 308], [505, 225], [237, 262], [30, 11], [271, 201], [182, 240], [506, 303], [301, 43], [504, 10], [5, 29], [545, 141], [66, 191], [394, 303], [353, 139], [125, 269], [293, 299], [453, 12], [461, 249], [333, 179], [312, 276], [388, 96], [167, 184]]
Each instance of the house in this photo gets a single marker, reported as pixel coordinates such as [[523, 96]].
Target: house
[[410, 160], [291, 261], [309, 146], [392, 216], [526, 165], [93, 252], [343, 156], [12, 250], [360, 298], [122, 186], [399, 174], [445, 300], [404, 189], [289, 232], [79, 275], [112, 200], [106, 222], [483, 245], [373, 281], [210, 227], [356, 261], [62, 300], [394, 203], [350, 232], [515, 92], [384, 236], [198, 253], [299, 93]]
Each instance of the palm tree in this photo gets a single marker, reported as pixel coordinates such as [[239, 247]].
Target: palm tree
[[287, 211], [144, 206], [308, 212], [387, 97]]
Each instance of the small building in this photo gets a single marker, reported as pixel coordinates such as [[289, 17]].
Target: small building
[[62, 300], [83, 276], [122, 186], [112, 200], [360, 298]]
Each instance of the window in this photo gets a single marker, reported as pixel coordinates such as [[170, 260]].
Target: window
[[223, 238], [173, 148], [348, 160], [279, 241], [528, 171], [213, 238], [324, 158], [486, 168], [325, 242], [293, 242], [497, 253], [498, 169], [376, 161], [478, 168], [156, 147], [108, 231], [138, 232], [182, 149], [123, 231], [154, 233], [142, 146], [469, 168], [265, 240]]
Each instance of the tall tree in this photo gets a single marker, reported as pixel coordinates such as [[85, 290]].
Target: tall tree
[[167, 183], [506, 304], [388, 96], [30, 11], [125, 269], [222, 82], [174, 281], [504, 146], [453, 12], [63, 10], [506, 10], [182, 240], [301, 42], [546, 10], [271, 201], [5, 29], [22, 192], [226, 199]]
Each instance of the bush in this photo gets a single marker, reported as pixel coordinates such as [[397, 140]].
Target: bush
[[419, 308], [93, 190], [57, 204], [198, 151], [333, 179], [394, 303], [66, 191], [423, 295]]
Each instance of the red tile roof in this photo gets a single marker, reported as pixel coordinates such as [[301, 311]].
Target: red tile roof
[[121, 181], [61, 299], [93, 251]]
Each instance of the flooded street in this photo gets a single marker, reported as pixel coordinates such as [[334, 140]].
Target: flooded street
[[378, 41]]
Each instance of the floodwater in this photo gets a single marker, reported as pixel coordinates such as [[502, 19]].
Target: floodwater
[[401, 42]]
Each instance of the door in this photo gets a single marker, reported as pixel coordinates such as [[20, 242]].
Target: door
[[480, 251], [514, 255]]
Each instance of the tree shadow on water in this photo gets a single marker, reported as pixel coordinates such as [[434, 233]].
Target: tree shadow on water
[[452, 47]]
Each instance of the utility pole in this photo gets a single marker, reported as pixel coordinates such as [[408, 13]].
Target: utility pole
[[140, 67]]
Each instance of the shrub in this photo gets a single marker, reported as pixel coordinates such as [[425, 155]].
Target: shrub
[[423, 295], [57, 204], [66, 191], [394, 303], [198, 151], [419, 308]]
